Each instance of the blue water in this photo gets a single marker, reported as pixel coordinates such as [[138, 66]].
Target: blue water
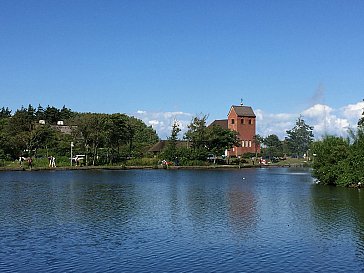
[[248, 220]]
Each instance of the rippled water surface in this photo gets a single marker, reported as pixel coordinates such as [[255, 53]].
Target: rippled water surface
[[248, 220]]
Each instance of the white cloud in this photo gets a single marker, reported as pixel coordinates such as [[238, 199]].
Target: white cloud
[[162, 122], [154, 122], [327, 120], [353, 110], [324, 119], [277, 124], [175, 114], [317, 110]]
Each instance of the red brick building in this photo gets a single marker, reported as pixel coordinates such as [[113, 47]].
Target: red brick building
[[242, 120]]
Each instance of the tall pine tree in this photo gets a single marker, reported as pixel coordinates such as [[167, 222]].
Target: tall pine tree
[[300, 137]]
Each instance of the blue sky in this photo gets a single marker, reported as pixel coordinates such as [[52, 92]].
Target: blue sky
[[165, 60]]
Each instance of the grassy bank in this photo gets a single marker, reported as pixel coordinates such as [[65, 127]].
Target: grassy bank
[[143, 163]]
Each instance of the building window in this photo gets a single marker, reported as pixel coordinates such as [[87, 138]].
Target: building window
[[242, 144], [242, 121], [246, 143], [250, 143], [250, 121], [232, 121]]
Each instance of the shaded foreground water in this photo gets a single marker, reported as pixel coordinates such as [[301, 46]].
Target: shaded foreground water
[[249, 220]]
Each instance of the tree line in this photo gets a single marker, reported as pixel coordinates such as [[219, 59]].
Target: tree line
[[296, 144], [104, 138], [200, 141], [214, 140], [114, 138]]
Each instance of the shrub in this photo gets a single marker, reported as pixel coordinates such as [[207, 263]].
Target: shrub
[[142, 162], [329, 161]]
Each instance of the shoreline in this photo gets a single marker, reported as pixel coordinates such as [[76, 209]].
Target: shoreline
[[121, 167]]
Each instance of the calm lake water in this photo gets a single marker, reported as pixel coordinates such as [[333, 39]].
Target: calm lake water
[[248, 220]]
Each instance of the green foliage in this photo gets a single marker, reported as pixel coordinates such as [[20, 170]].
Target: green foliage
[[329, 156], [248, 155], [22, 121], [41, 137], [273, 146], [258, 140], [338, 161], [122, 137], [206, 140], [142, 162], [219, 139], [197, 135], [118, 135], [141, 137], [299, 138], [52, 115], [197, 132], [171, 151], [5, 113], [352, 168]]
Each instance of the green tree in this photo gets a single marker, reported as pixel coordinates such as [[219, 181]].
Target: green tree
[[5, 113], [170, 153], [22, 120], [21, 133], [91, 129], [197, 135], [329, 159], [65, 113], [17, 131], [42, 136], [220, 139], [40, 113], [352, 168], [300, 137], [31, 113], [258, 140], [338, 161], [51, 115], [116, 135], [6, 147], [273, 146], [140, 137]]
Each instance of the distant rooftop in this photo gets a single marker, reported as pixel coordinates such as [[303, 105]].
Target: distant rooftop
[[223, 123]]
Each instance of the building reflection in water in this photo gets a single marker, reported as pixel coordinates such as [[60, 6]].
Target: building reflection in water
[[242, 211]]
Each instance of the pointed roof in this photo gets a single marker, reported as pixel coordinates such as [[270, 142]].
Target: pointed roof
[[243, 111]]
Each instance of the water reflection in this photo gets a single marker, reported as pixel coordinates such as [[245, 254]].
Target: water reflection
[[242, 210], [339, 218], [221, 202], [187, 221]]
